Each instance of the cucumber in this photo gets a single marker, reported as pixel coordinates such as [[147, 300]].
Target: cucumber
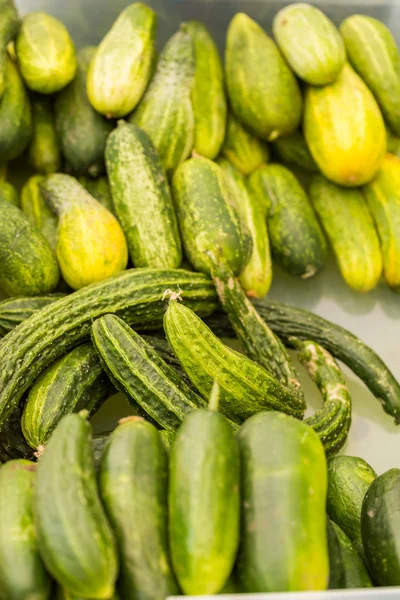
[[349, 478], [45, 53], [204, 504], [347, 569], [209, 223], [244, 150], [166, 112], [82, 558], [283, 481], [22, 573], [256, 277], [350, 229], [142, 198], [15, 310], [297, 242], [134, 295], [44, 150], [246, 388], [37, 211], [8, 193], [91, 245], [383, 198], [292, 150], [310, 43], [99, 188], [267, 101], [167, 438], [373, 52], [380, 528], [133, 488], [122, 65], [9, 26], [81, 130], [74, 382], [208, 93]]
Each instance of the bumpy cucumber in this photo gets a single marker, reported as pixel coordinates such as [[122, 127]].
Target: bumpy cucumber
[[292, 150], [246, 388], [22, 572], [208, 93], [133, 487], [82, 559], [8, 193], [297, 242], [165, 112], [346, 568], [142, 198], [15, 310], [44, 150], [37, 211], [209, 222], [99, 188], [267, 101], [245, 151], [283, 482]]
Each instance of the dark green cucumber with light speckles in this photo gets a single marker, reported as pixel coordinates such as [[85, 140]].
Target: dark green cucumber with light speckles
[[44, 150], [8, 193], [15, 310], [346, 568], [35, 208], [99, 188]]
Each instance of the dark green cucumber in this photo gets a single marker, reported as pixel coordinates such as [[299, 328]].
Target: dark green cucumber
[[22, 572], [349, 478], [75, 539], [380, 528], [15, 310], [133, 487], [283, 484], [246, 388], [142, 198], [99, 188], [35, 208], [346, 568], [135, 295], [82, 131], [44, 150], [293, 151], [204, 504], [8, 193], [332, 422]]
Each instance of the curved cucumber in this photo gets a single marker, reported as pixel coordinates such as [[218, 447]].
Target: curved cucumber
[[292, 150], [347, 569], [37, 211], [44, 150], [244, 150], [8, 193], [15, 310]]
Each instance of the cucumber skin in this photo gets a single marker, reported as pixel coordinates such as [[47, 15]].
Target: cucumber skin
[[44, 150], [292, 150], [204, 505], [22, 572], [133, 487], [15, 115], [347, 569], [35, 208], [283, 540], [15, 310], [142, 198], [8, 193], [245, 151], [67, 509]]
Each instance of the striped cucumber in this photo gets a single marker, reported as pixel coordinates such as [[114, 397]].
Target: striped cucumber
[[99, 188], [37, 211], [142, 198], [15, 310], [347, 569], [292, 150], [244, 150], [133, 487], [44, 150], [8, 193]]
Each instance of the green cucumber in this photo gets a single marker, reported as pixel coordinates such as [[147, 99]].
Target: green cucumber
[[35, 208], [246, 388], [167, 438], [208, 221], [347, 569], [297, 242], [292, 150], [82, 131], [256, 277], [283, 481], [44, 149], [208, 93], [75, 540], [99, 188], [349, 478], [15, 310], [9, 26], [133, 487], [350, 229], [22, 573], [267, 101], [142, 198], [165, 112], [244, 150], [204, 504], [8, 193]]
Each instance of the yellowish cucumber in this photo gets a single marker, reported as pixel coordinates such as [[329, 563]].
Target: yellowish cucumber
[[244, 150]]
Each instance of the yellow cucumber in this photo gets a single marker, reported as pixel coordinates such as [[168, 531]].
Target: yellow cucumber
[[245, 151]]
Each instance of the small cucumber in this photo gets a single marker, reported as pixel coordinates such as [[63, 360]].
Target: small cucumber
[[208, 93], [292, 150], [99, 188], [8, 193], [44, 150], [245, 151], [283, 481], [204, 504], [297, 242], [208, 220], [122, 65], [347, 569], [133, 487], [142, 198], [266, 100], [350, 229], [15, 310], [74, 537], [22, 573], [37, 211]]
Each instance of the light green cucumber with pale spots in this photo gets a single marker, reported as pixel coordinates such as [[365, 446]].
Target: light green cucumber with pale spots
[[310, 43], [292, 150], [208, 93], [256, 276], [373, 52], [45, 53], [166, 111], [37, 211], [263, 91], [8, 193], [349, 226], [244, 150], [142, 198], [208, 219], [122, 64], [99, 188], [297, 242], [44, 149]]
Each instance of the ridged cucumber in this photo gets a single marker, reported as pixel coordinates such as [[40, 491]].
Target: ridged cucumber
[[99, 188], [292, 150], [8, 193], [37, 211], [15, 310], [243, 149], [346, 568], [44, 150]]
